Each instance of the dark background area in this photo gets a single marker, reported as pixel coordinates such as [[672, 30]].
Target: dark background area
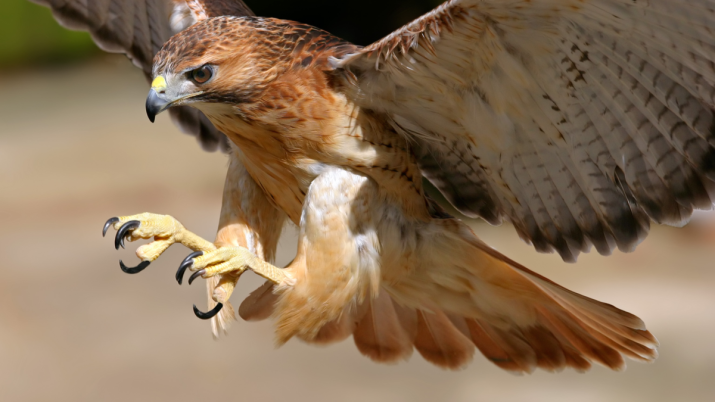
[[360, 22]]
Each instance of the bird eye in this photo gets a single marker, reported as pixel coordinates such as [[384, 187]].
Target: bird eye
[[202, 74]]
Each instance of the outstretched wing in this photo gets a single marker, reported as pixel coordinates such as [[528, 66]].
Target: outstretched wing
[[576, 120], [138, 28]]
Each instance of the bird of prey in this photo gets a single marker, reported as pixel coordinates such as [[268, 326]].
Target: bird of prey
[[577, 121]]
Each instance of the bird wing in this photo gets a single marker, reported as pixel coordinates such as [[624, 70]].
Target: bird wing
[[139, 28], [579, 121]]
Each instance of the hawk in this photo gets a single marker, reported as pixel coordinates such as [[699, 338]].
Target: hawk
[[577, 121]]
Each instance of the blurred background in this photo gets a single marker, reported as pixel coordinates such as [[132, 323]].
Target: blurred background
[[76, 148]]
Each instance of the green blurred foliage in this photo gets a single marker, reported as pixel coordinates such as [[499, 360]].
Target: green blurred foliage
[[30, 35]]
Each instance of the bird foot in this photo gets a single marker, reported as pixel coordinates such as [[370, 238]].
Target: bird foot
[[234, 259], [164, 229], [229, 263], [206, 261]]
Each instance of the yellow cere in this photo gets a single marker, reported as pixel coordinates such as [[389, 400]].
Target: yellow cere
[[158, 83]]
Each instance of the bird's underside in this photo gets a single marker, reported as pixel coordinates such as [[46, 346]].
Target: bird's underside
[[577, 121], [394, 283]]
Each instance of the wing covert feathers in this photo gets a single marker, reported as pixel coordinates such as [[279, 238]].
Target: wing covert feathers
[[577, 121]]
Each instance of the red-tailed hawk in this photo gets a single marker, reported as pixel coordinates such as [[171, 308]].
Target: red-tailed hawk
[[578, 121]]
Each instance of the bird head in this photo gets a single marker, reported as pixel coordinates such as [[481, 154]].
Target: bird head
[[223, 60]]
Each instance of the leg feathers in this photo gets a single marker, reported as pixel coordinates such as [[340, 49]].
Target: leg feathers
[[221, 321]]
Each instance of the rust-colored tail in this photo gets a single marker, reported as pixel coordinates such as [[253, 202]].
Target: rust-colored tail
[[464, 295], [573, 332]]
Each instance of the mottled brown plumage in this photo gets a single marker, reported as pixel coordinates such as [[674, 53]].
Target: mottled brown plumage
[[576, 124], [374, 255]]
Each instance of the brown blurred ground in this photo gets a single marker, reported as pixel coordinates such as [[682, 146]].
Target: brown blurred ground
[[76, 148]]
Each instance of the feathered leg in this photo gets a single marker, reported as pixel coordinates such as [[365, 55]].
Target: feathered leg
[[335, 270], [249, 229], [247, 220]]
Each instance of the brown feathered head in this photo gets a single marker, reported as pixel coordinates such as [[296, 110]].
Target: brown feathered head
[[231, 60], [218, 60]]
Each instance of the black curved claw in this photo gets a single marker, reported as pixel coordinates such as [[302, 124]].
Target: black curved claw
[[208, 314], [185, 264], [123, 231], [137, 269], [196, 275], [110, 222]]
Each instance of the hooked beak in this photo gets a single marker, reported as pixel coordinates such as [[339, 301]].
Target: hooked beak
[[156, 101], [155, 105]]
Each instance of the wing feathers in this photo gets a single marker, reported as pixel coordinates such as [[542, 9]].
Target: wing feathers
[[542, 104], [544, 208], [651, 140]]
